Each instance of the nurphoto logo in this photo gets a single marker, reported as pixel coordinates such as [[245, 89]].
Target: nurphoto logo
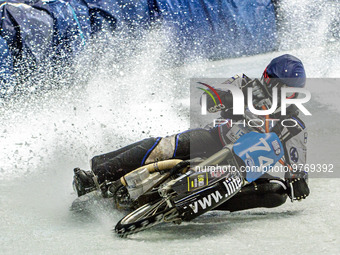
[[238, 100]]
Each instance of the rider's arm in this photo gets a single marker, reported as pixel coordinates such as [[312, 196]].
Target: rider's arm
[[295, 154]]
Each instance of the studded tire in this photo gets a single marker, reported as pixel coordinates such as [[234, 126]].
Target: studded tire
[[144, 217]]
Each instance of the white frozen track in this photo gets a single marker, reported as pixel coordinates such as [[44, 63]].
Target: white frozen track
[[43, 138]]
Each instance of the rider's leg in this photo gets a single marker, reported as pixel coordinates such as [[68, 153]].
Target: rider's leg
[[267, 191], [108, 166], [113, 165], [100, 159]]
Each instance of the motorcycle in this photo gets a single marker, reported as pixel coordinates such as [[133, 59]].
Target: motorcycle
[[180, 190]]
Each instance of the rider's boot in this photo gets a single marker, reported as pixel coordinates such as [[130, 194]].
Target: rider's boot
[[84, 181]]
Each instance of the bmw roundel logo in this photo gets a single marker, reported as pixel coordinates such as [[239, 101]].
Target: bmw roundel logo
[[249, 162], [294, 155]]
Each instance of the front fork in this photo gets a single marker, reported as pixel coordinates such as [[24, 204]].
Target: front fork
[[214, 193]]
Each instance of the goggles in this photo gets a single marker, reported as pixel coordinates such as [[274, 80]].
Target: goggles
[[277, 83]]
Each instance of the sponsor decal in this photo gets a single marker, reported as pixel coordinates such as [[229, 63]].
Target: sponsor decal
[[294, 155], [197, 181], [249, 162], [232, 186], [216, 174], [276, 147]]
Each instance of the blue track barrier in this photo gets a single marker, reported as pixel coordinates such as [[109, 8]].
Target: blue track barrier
[[36, 31]]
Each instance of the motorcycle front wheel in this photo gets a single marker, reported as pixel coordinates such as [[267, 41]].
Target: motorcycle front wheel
[[145, 217]]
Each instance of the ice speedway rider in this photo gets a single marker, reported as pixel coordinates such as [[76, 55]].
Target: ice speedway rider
[[283, 71]]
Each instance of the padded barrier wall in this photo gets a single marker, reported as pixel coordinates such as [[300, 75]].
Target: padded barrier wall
[[36, 31]]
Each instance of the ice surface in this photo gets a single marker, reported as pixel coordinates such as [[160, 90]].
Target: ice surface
[[43, 137]]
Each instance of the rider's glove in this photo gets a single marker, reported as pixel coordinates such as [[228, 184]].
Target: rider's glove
[[297, 186]]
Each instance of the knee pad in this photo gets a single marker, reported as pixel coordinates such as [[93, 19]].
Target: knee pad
[[164, 149], [190, 143]]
